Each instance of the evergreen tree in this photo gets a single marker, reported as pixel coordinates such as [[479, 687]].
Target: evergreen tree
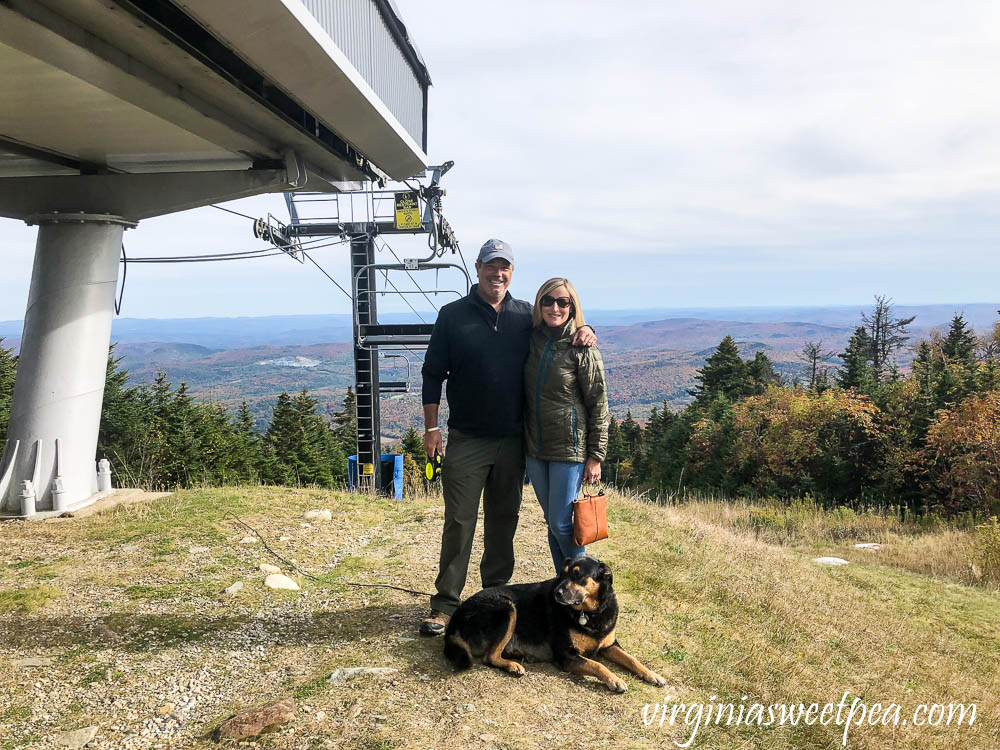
[[641, 460], [659, 422], [724, 374], [156, 456], [991, 343], [960, 343], [616, 453], [249, 460], [654, 426], [216, 437], [668, 456], [886, 336], [8, 370], [124, 435], [922, 366], [334, 457], [856, 372], [632, 436], [761, 374], [305, 448], [185, 458], [413, 446], [345, 424], [314, 447], [284, 438], [989, 354]]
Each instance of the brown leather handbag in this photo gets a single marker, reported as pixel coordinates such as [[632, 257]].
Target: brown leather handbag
[[590, 518]]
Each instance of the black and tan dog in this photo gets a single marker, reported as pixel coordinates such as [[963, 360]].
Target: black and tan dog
[[569, 620]]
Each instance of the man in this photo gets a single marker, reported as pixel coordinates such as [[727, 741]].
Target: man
[[479, 344]]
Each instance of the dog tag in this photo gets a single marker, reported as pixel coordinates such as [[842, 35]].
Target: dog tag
[[583, 619]]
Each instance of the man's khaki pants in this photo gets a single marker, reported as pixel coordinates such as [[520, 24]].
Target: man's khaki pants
[[494, 468]]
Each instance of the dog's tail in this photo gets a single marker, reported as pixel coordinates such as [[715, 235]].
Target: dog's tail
[[456, 650]]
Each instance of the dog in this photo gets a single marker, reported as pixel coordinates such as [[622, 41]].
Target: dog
[[569, 620]]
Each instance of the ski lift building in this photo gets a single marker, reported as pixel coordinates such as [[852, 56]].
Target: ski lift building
[[120, 110]]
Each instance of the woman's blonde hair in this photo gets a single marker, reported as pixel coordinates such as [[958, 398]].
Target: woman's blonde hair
[[575, 311]]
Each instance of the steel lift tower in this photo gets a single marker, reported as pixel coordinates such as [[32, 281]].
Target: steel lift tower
[[409, 210], [115, 111]]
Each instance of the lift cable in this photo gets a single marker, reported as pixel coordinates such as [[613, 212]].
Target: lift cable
[[264, 252], [464, 264], [385, 275], [310, 258], [386, 246], [231, 211], [121, 295], [207, 258]]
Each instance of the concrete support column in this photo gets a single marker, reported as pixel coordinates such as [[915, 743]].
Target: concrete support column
[[56, 409]]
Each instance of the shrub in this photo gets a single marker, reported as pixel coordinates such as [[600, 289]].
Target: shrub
[[986, 553], [789, 442], [962, 456]]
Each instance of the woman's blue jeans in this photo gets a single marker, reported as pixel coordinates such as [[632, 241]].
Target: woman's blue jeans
[[557, 484]]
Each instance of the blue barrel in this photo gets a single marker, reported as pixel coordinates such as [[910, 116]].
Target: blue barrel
[[352, 472], [392, 474]]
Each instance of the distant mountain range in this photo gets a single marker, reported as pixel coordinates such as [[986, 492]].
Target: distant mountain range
[[283, 330], [651, 355]]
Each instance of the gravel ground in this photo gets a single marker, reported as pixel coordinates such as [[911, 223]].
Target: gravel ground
[[142, 642]]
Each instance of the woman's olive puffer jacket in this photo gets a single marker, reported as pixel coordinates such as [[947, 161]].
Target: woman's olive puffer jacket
[[566, 404]]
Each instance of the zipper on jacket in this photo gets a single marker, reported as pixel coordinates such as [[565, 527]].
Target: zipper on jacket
[[495, 323], [552, 355], [574, 431], [538, 396]]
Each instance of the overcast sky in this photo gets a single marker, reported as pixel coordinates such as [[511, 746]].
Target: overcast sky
[[668, 154]]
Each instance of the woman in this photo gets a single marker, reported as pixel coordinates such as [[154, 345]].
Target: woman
[[566, 413]]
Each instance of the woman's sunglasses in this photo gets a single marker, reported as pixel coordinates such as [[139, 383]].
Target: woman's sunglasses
[[548, 301]]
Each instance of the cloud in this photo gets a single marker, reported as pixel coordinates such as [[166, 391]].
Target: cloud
[[754, 149]]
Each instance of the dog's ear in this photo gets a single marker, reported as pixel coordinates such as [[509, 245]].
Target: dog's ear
[[605, 573]]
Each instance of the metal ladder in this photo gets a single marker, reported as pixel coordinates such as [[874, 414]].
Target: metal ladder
[[358, 218]]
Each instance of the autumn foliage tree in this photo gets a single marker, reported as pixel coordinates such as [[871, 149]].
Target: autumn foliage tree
[[962, 455], [791, 442]]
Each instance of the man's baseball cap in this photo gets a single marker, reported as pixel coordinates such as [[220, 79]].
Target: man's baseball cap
[[494, 249]]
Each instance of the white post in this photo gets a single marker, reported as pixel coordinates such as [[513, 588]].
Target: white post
[[63, 361]]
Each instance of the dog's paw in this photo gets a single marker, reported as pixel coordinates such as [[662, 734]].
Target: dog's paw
[[616, 686], [654, 679], [516, 669]]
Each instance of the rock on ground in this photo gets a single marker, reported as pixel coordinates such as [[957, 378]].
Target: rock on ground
[[829, 561], [318, 515], [279, 581], [33, 661], [235, 588], [253, 722], [343, 674], [75, 738], [268, 568]]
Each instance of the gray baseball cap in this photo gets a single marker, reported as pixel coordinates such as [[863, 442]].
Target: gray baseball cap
[[494, 249]]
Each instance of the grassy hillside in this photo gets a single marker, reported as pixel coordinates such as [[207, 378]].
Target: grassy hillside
[[128, 606]]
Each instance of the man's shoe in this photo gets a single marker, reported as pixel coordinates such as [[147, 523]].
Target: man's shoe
[[435, 623]]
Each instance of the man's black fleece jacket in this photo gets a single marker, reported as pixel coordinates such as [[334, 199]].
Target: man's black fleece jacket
[[481, 353]]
